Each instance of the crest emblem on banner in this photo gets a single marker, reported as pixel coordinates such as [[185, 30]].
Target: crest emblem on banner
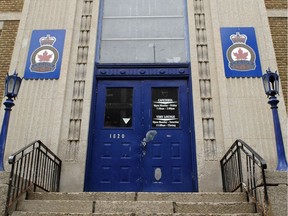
[[44, 58], [240, 52], [241, 57]]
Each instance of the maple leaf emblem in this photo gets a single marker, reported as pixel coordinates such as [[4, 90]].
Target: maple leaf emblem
[[241, 55], [45, 57]]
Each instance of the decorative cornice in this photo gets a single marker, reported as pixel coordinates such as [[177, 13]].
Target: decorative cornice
[[142, 70]]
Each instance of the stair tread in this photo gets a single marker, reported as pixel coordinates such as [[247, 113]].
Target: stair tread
[[136, 204], [131, 196], [20, 213]]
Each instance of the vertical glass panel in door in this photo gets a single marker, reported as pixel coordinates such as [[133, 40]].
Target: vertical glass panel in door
[[118, 107]]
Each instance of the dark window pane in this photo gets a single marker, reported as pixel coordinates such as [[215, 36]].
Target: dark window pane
[[165, 110], [118, 107]]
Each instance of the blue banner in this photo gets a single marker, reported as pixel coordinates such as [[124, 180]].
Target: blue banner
[[240, 52], [45, 54]]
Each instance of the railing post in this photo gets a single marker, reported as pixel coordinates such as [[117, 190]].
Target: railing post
[[59, 175], [223, 176], [11, 160], [240, 167], [36, 167], [265, 186]]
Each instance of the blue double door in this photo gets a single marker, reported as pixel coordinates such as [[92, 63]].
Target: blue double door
[[141, 139]]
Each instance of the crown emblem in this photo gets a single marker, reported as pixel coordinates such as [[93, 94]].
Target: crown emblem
[[238, 38], [241, 57], [48, 40]]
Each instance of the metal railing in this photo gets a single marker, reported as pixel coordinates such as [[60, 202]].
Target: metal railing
[[33, 166], [244, 170]]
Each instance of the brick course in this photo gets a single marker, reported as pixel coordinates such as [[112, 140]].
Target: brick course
[[11, 5], [276, 4], [7, 41]]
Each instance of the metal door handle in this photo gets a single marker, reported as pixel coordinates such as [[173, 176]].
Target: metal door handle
[[149, 137]]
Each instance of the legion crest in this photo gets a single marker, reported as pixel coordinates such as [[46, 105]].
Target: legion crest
[[44, 59], [241, 57]]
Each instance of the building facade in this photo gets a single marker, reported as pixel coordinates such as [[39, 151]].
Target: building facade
[[138, 95]]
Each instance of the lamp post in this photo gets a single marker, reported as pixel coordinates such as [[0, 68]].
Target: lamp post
[[271, 87], [12, 85]]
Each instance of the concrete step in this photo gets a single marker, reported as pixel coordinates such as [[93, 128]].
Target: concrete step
[[131, 196], [18, 213], [135, 204], [140, 207]]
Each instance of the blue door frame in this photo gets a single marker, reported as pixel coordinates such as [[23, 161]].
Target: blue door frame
[[115, 160]]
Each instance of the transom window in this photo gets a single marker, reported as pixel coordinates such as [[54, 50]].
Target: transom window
[[143, 31]]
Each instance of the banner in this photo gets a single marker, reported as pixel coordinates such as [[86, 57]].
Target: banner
[[45, 54], [240, 52]]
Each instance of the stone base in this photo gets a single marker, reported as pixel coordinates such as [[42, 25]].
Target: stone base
[[4, 182], [277, 188]]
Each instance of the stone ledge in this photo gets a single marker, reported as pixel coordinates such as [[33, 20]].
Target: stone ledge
[[277, 13], [10, 16], [276, 178]]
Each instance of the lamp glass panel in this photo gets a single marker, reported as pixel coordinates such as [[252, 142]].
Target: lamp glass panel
[[17, 86], [266, 83], [272, 82], [277, 84], [10, 85]]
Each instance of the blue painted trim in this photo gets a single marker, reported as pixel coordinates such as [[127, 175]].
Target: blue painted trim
[[99, 30], [91, 132], [186, 29], [142, 70], [193, 137]]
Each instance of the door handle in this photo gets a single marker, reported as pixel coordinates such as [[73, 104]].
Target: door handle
[[149, 137]]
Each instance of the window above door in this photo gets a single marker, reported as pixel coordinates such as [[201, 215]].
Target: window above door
[[143, 31]]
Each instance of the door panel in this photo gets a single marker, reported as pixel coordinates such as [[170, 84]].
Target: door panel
[[122, 159], [170, 150]]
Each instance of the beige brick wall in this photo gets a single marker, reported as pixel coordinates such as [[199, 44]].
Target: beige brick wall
[[279, 32], [7, 37], [278, 26], [11, 5], [7, 41]]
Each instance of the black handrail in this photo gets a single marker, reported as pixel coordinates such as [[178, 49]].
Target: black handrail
[[243, 169], [33, 166]]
